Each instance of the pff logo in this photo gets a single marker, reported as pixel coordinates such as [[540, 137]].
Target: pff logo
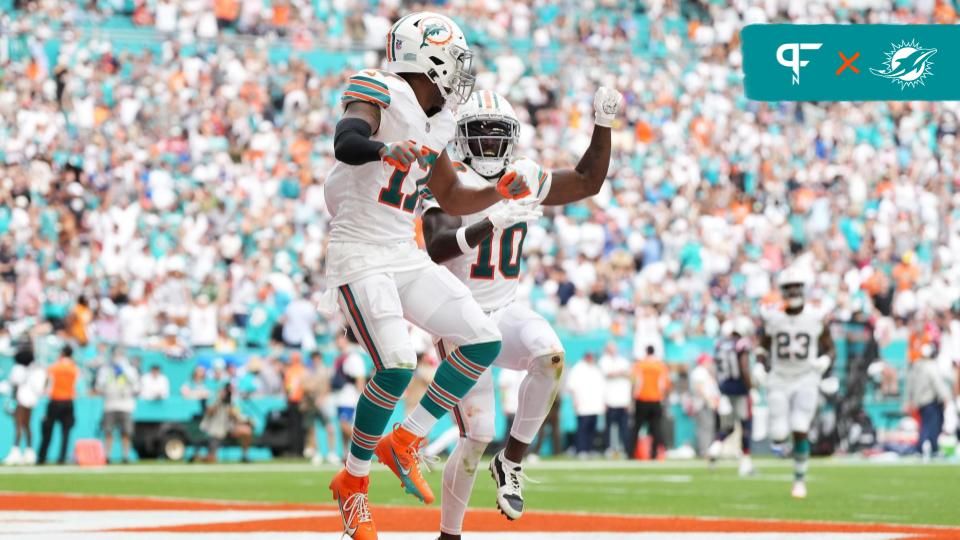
[[794, 62], [907, 64]]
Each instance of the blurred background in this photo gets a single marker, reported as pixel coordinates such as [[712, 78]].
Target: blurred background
[[162, 223]]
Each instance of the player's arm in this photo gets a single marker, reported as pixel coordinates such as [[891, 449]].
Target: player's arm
[[586, 179], [827, 349], [351, 142], [458, 199], [441, 231], [363, 99], [743, 357], [763, 353]]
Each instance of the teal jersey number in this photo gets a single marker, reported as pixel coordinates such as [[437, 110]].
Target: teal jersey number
[[392, 195], [509, 260]]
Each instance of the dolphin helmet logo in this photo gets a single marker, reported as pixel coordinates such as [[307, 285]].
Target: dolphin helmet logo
[[907, 64], [435, 32]]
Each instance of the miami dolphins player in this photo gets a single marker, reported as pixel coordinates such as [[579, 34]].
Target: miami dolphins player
[[483, 250], [389, 142], [797, 348]]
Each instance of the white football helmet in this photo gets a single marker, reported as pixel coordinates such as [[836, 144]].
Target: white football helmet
[[434, 45], [792, 284], [487, 132]]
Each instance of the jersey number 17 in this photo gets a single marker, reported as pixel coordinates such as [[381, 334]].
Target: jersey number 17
[[391, 195]]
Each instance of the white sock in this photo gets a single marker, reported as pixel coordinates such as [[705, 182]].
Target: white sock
[[356, 466], [419, 422], [537, 394], [458, 477]]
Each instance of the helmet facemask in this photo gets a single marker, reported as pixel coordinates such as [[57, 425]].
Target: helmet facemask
[[457, 86], [486, 143]]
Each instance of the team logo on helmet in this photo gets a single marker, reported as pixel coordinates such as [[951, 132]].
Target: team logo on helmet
[[436, 31]]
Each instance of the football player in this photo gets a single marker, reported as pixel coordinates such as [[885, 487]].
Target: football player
[[390, 141], [797, 348], [483, 250], [732, 360]]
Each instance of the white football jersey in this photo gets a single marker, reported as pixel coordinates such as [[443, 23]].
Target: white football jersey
[[374, 203], [492, 269], [794, 340]]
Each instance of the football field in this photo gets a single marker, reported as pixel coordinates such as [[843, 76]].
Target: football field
[[571, 498]]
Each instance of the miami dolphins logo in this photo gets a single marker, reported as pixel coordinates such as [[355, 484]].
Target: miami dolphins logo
[[436, 31], [908, 64]]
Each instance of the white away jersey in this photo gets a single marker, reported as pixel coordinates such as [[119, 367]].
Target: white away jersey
[[492, 269], [794, 340], [374, 203]]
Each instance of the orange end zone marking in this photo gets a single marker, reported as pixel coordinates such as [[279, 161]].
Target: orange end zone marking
[[403, 519]]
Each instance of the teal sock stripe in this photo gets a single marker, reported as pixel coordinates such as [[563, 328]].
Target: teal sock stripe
[[456, 376], [802, 448], [374, 409]]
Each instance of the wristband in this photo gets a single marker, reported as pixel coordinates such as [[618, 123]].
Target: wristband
[[462, 240]]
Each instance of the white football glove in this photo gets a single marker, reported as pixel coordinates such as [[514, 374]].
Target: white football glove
[[821, 363], [607, 103], [532, 173], [510, 213], [758, 375]]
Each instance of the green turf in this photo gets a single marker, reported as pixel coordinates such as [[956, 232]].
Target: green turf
[[896, 493]]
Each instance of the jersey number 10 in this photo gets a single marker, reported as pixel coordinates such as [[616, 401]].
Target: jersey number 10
[[392, 194], [509, 264]]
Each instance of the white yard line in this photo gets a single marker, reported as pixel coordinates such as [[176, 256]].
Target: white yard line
[[557, 465]]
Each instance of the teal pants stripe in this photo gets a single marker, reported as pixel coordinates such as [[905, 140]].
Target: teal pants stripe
[[371, 419], [450, 384]]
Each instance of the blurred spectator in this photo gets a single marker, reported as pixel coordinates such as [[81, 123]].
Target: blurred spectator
[[349, 379], [317, 406], [270, 378], [62, 389], [154, 386], [223, 419], [293, 381], [28, 380], [298, 321], [203, 323], [78, 322], [926, 394], [704, 399], [196, 388], [617, 392], [585, 385], [651, 383], [119, 383]]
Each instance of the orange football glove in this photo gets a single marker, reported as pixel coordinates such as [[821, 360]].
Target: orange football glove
[[402, 154], [512, 186]]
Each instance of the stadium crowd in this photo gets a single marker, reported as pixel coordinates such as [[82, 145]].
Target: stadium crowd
[[175, 200]]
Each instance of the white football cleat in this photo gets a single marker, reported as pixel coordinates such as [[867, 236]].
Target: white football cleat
[[799, 490], [334, 459], [14, 457], [713, 452], [29, 457], [746, 466], [509, 480]]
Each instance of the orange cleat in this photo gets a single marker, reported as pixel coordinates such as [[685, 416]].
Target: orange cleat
[[350, 492], [400, 450]]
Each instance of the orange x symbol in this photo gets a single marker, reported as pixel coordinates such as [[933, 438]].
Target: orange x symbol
[[848, 63]]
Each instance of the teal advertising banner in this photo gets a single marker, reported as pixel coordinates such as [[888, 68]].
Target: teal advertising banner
[[868, 62]]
